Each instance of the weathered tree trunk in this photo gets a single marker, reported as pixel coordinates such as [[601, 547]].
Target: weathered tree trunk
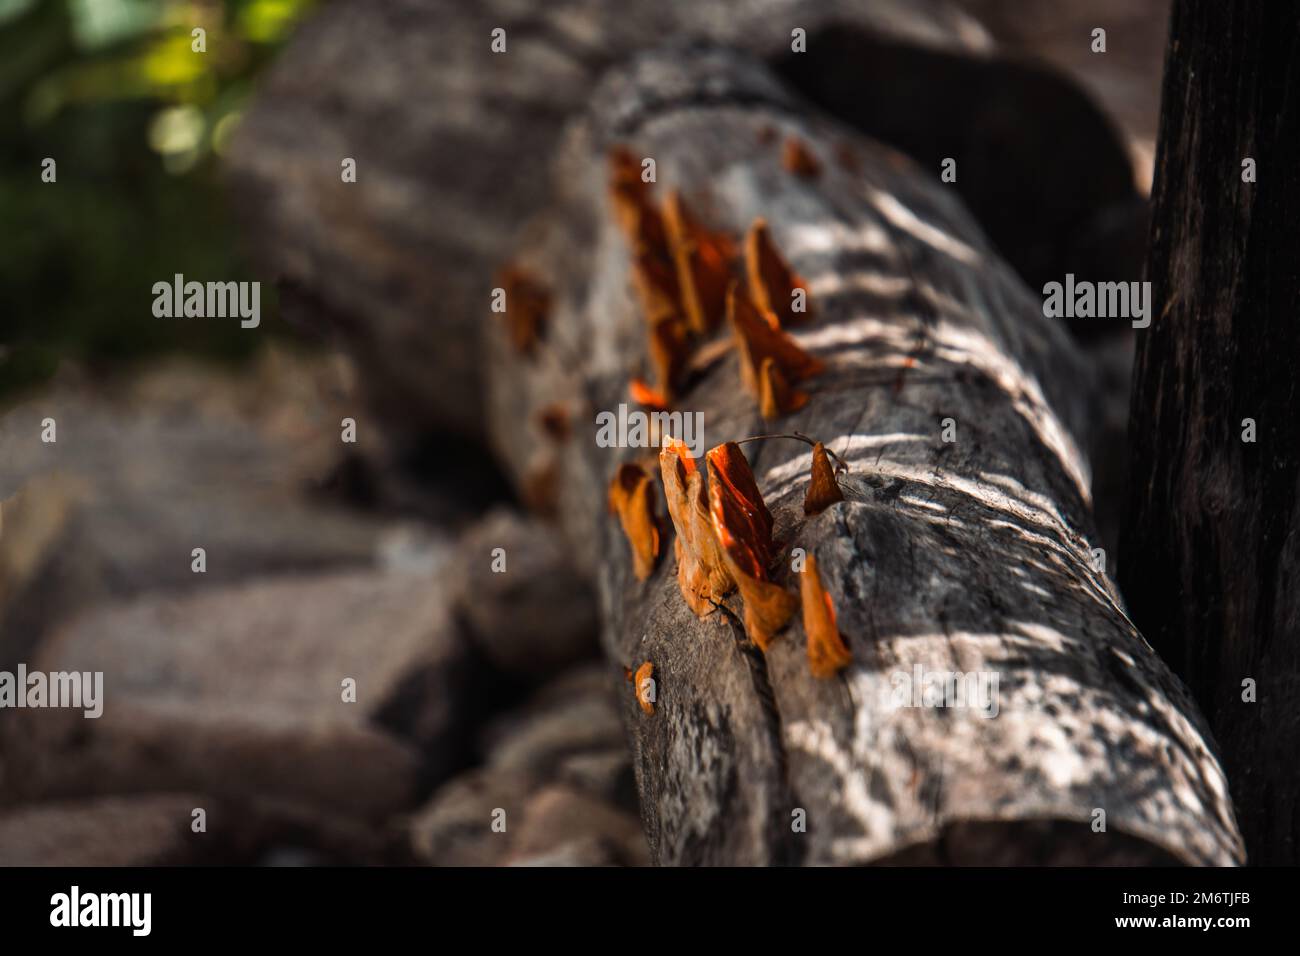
[[960, 557], [1211, 562]]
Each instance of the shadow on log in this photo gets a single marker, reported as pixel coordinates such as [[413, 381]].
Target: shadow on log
[[1039, 166]]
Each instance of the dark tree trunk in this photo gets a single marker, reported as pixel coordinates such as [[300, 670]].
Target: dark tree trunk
[[1211, 560]]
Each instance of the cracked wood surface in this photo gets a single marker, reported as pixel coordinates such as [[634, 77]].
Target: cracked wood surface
[[971, 556]]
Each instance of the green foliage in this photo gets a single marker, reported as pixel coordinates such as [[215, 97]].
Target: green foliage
[[136, 121]]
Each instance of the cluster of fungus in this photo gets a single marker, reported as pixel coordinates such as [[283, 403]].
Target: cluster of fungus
[[684, 277], [686, 284]]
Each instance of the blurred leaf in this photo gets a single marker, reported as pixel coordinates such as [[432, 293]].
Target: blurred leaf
[[100, 23], [10, 9], [268, 21], [170, 62], [112, 91]]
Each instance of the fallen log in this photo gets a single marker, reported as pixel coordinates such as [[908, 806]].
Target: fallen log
[[963, 545]]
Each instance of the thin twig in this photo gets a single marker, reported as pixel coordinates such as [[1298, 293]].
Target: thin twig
[[840, 468]]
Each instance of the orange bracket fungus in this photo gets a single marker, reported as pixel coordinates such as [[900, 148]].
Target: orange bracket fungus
[[827, 652], [630, 497], [744, 529]]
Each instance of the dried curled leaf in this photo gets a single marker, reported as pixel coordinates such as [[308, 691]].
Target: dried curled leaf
[[670, 352], [631, 498], [644, 687], [768, 608], [703, 263], [743, 526], [655, 281], [702, 574], [823, 489], [772, 283], [798, 159], [669, 339], [655, 271], [740, 518], [647, 396], [676, 466], [776, 396], [758, 339], [633, 204], [528, 301], [828, 654]]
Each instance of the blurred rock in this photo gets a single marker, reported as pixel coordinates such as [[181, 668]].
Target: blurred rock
[[564, 822], [606, 774], [559, 768], [228, 683], [573, 715], [455, 827], [33, 522], [537, 616], [152, 830], [178, 457], [238, 691], [158, 830], [545, 825], [588, 851]]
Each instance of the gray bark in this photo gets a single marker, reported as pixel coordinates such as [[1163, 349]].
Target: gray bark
[[969, 556]]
